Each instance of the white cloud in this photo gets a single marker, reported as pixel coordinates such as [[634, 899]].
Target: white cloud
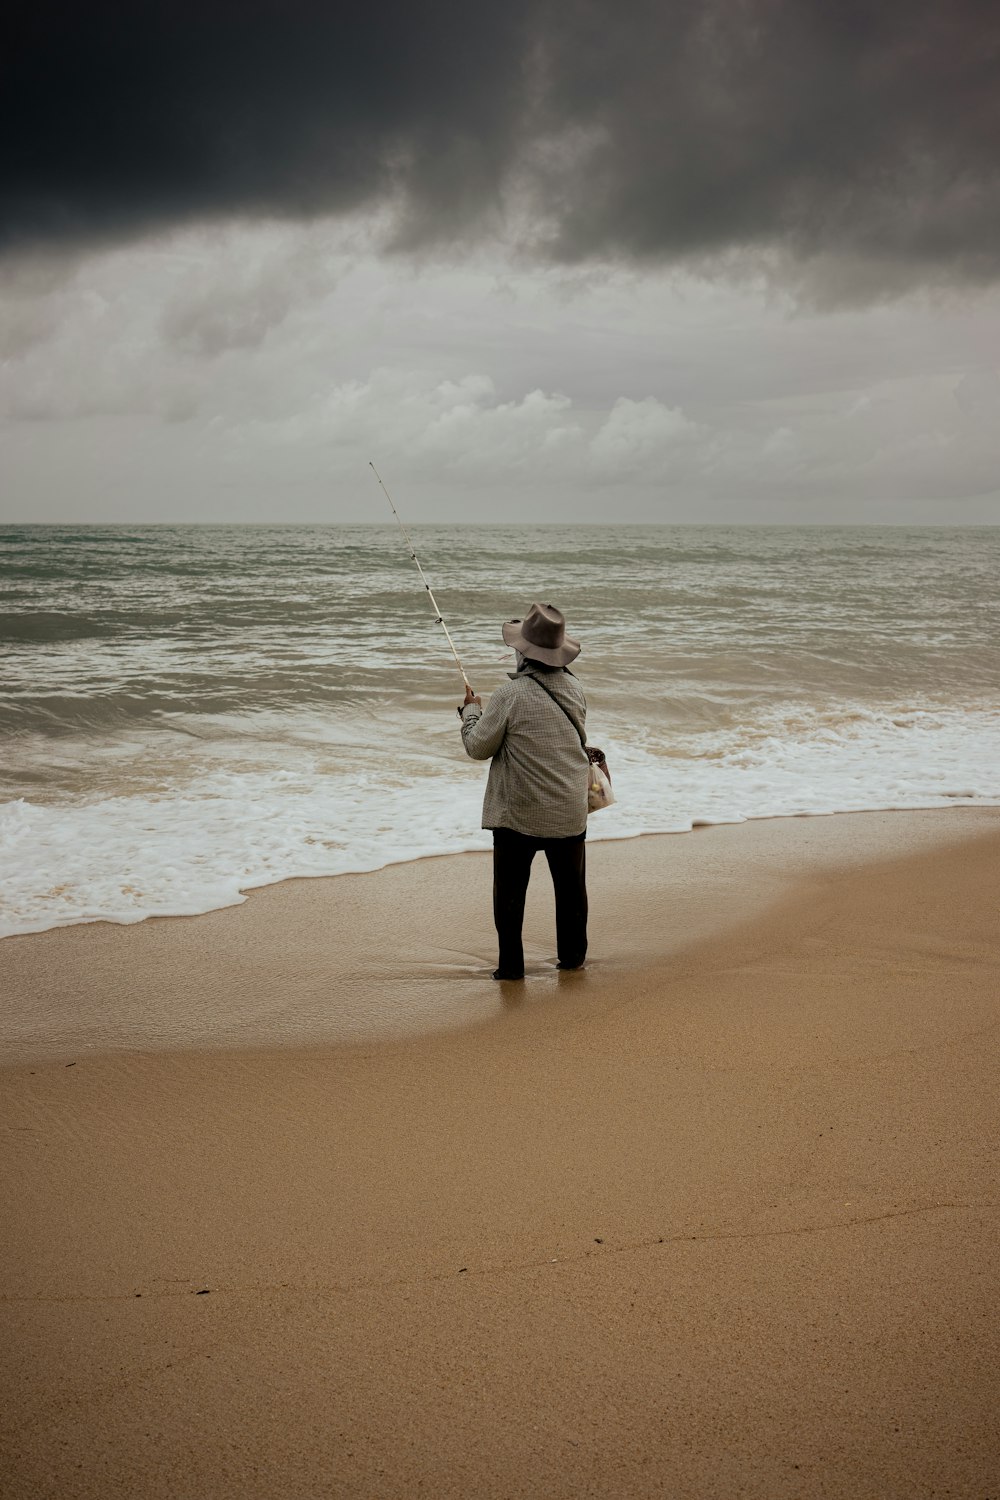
[[781, 447], [265, 366], [642, 438], [977, 395], [458, 425]]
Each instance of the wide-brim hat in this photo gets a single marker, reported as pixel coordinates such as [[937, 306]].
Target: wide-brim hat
[[541, 635]]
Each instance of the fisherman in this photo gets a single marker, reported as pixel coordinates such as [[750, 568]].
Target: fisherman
[[536, 794]]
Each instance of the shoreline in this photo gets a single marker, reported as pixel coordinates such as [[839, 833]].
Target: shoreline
[[718, 1216], [227, 891], [103, 986]]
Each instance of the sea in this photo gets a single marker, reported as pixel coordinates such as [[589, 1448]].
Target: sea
[[188, 712]]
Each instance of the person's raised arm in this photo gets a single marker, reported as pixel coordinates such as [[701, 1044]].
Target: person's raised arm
[[483, 731]]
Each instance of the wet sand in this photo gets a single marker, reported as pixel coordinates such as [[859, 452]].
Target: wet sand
[[299, 1203]]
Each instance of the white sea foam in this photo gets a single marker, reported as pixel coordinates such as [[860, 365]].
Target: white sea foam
[[197, 840]]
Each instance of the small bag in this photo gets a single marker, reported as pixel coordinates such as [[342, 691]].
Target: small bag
[[599, 793]]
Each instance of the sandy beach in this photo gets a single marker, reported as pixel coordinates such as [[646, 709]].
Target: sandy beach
[[299, 1203]]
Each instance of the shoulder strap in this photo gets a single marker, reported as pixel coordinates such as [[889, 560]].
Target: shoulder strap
[[555, 700]]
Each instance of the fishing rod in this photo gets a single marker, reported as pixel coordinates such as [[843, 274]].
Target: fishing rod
[[413, 553]]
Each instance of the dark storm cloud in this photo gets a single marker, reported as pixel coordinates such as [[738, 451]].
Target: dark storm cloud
[[122, 114], [653, 132]]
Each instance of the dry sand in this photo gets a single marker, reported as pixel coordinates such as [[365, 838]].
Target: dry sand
[[718, 1217]]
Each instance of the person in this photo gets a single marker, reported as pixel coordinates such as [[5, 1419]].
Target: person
[[532, 732]]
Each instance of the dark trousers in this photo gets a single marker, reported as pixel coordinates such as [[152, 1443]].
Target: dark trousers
[[567, 861]]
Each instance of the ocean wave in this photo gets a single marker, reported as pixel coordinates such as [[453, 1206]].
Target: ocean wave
[[196, 831], [186, 712]]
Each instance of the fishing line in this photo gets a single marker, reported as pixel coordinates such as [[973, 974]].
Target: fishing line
[[413, 553]]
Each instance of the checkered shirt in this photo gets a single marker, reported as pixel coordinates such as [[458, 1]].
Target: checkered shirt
[[538, 777]]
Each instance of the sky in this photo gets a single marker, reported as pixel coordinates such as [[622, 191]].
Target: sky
[[726, 261]]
